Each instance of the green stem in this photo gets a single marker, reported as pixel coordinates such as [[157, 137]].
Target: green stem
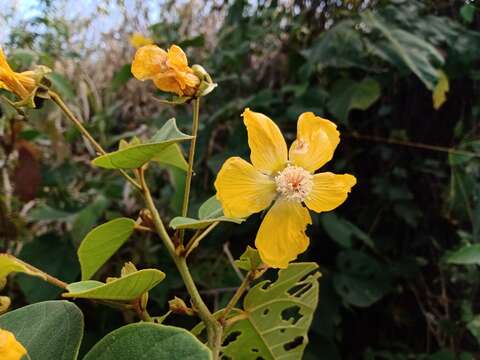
[[236, 297], [191, 159], [214, 329], [58, 100], [193, 243]]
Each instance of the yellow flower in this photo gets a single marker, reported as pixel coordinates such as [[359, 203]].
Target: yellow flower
[[168, 70], [22, 84], [138, 40], [10, 348], [285, 177]]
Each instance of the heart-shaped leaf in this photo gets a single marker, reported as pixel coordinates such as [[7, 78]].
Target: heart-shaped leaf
[[126, 288], [101, 243], [135, 156], [277, 316], [48, 330], [149, 341]]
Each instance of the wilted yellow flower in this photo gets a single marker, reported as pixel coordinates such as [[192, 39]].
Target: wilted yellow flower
[[285, 177], [168, 70], [138, 40], [10, 348], [22, 84]]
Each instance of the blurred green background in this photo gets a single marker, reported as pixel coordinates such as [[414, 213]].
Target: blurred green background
[[391, 288]]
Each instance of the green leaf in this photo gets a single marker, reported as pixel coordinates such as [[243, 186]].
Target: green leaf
[[361, 280], [181, 222], [172, 155], [278, 315], [347, 95], [87, 218], [209, 212], [101, 243], [404, 49], [149, 341], [466, 255], [467, 12], [48, 330], [249, 260], [126, 288], [210, 209], [343, 232], [121, 77], [62, 85], [136, 156], [10, 264]]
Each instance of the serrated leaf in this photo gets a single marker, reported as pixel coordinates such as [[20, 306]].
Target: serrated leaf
[[278, 315], [209, 212], [10, 264], [101, 243], [249, 260], [149, 341], [404, 49], [135, 156], [127, 288], [48, 330], [466, 255]]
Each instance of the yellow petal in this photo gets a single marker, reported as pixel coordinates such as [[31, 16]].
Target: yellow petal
[[281, 237], [10, 348], [176, 58], [243, 190], [316, 141], [266, 142], [148, 62], [329, 191], [168, 82], [3, 62], [138, 40]]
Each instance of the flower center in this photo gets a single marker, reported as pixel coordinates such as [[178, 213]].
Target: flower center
[[294, 183]]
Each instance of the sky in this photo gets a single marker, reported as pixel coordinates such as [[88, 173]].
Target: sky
[[17, 10]]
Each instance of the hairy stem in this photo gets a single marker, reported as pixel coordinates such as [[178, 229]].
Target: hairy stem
[[214, 329], [236, 297], [58, 100], [191, 159]]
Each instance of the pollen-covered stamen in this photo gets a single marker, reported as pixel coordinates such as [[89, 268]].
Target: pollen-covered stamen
[[294, 183]]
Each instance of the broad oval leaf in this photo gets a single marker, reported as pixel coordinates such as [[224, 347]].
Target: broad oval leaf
[[101, 243], [135, 156], [126, 288], [149, 341], [209, 212], [48, 330], [172, 155], [277, 316], [466, 255], [181, 222]]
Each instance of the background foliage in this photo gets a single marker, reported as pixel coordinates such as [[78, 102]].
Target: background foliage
[[394, 284]]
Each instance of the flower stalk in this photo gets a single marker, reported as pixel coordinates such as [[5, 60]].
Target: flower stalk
[[191, 159]]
